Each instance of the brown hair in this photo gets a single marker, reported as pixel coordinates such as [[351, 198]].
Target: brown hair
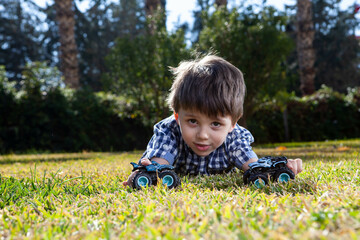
[[210, 85]]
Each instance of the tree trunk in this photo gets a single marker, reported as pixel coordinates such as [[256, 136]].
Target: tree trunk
[[304, 42], [220, 3], [152, 5], [68, 49]]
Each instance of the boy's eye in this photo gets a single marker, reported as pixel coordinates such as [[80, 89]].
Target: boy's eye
[[192, 121], [216, 124]]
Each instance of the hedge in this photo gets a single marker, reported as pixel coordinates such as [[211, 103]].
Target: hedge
[[55, 122], [325, 115], [61, 120]]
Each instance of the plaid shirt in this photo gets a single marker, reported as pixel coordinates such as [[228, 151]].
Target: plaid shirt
[[167, 143]]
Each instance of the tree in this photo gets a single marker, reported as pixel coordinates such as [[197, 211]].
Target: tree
[[96, 31], [151, 8], [255, 43], [21, 39], [68, 48], [336, 46], [198, 25], [221, 3], [128, 18], [139, 70], [304, 44]]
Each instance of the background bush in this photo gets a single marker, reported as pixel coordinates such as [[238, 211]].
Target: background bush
[[57, 119], [44, 116], [324, 115], [56, 123]]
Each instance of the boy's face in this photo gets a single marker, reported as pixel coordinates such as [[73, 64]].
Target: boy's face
[[202, 133]]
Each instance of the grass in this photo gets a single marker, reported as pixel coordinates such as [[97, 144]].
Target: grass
[[80, 196]]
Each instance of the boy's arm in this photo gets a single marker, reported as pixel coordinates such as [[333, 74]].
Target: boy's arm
[[162, 161], [144, 162], [245, 166]]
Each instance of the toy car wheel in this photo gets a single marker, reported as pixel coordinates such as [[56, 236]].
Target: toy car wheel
[[169, 179], [284, 175], [259, 180], [142, 180]]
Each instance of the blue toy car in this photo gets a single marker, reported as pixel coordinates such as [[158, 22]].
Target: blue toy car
[[266, 168], [148, 175]]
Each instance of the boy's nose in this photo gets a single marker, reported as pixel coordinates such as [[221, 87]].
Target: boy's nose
[[202, 134]]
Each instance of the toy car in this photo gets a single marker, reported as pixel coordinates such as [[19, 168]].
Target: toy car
[[266, 168], [148, 175]]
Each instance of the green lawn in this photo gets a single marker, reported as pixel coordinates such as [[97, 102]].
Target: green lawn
[[80, 196]]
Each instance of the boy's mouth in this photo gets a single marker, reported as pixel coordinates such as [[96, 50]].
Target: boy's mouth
[[202, 147]]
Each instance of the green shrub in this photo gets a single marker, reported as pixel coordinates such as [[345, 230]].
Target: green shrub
[[8, 108], [324, 115], [139, 69], [43, 117], [57, 119]]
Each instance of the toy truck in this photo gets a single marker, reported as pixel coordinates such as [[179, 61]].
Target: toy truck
[[268, 168], [149, 175]]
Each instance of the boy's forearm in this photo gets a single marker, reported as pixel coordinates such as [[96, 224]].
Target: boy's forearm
[[160, 161], [245, 166]]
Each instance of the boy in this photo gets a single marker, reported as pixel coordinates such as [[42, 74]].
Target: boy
[[203, 136]]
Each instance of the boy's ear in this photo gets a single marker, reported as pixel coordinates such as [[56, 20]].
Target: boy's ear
[[176, 117], [232, 128]]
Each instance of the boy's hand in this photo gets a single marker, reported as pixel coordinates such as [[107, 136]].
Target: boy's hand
[[128, 182], [295, 165], [145, 162]]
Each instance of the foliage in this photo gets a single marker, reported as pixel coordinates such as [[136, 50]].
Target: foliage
[[255, 43], [30, 33], [80, 196], [96, 31], [47, 117], [327, 114], [44, 116], [6, 86], [8, 109], [20, 38], [198, 25], [336, 45], [39, 75], [139, 70]]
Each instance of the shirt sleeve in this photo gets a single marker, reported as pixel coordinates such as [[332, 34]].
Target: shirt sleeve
[[163, 143], [240, 150]]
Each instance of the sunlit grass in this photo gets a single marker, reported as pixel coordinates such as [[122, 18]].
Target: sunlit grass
[[80, 196]]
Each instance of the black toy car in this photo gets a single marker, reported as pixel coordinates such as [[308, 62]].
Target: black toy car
[[148, 175], [266, 168]]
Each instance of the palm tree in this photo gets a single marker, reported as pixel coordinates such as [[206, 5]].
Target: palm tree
[[68, 48], [152, 5], [304, 44], [151, 8], [220, 3]]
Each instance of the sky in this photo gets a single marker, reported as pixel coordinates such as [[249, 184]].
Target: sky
[[180, 11]]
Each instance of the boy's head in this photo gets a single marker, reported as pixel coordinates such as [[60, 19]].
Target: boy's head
[[210, 85]]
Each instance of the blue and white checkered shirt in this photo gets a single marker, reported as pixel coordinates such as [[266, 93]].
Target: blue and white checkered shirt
[[167, 143]]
